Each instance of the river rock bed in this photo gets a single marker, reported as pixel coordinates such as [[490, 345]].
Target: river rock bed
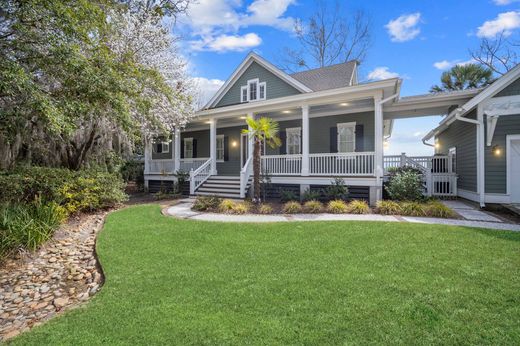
[[63, 273]]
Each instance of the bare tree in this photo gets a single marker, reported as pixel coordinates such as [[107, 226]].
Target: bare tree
[[499, 54], [328, 37]]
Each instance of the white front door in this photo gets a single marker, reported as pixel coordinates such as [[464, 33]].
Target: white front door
[[513, 163]]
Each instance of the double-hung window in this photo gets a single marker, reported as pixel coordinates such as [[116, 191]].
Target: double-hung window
[[347, 137], [293, 141], [188, 148], [161, 147], [261, 91], [243, 93], [253, 91], [220, 148]]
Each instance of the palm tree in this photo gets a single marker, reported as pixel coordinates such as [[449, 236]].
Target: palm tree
[[261, 130], [466, 76]]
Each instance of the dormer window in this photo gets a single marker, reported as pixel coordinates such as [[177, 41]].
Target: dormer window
[[253, 91]]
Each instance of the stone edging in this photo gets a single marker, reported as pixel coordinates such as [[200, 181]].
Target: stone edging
[[62, 274]]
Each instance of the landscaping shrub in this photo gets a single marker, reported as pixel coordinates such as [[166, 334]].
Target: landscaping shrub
[[337, 190], [337, 207], [206, 203], [91, 191], [292, 207], [26, 226], [405, 184], [437, 209], [288, 195], [313, 207], [358, 206], [413, 209], [226, 206], [241, 208], [310, 195], [76, 191], [388, 208], [265, 209]]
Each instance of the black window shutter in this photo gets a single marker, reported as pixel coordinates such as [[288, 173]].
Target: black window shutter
[[360, 138], [194, 148], [226, 148], [182, 148], [283, 140], [333, 139]]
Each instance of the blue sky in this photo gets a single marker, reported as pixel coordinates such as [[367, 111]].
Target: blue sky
[[415, 40]]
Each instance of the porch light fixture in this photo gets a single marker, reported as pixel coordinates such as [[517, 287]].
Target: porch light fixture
[[286, 112], [207, 122], [234, 144], [243, 117], [437, 145], [344, 104], [386, 145], [496, 150]]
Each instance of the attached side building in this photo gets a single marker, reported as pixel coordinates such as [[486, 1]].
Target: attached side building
[[483, 136]]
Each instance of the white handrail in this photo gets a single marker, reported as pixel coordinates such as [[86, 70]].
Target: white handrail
[[245, 173], [199, 176]]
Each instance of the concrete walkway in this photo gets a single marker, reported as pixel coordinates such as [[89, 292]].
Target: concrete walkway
[[183, 210]]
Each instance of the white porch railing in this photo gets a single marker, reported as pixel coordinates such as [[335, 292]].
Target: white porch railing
[[282, 164], [160, 166], [199, 176], [351, 164], [434, 164], [245, 173], [187, 165]]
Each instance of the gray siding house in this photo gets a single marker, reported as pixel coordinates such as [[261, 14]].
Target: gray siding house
[[330, 126], [483, 137]]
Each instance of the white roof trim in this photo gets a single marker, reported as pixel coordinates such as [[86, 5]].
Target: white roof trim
[[250, 58], [497, 86]]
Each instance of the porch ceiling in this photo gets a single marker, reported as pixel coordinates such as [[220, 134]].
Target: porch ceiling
[[428, 104]]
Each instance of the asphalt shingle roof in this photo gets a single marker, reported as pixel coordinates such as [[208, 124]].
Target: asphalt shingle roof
[[328, 77]]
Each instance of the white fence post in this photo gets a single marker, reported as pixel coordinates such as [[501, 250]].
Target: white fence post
[[403, 160]]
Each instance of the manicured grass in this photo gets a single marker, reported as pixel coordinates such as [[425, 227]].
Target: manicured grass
[[186, 282]]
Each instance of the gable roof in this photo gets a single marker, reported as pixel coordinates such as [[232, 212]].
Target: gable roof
[[329, 77], [250, 58], [488, 92]]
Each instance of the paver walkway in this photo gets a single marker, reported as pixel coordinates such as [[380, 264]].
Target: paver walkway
[[183, 210]]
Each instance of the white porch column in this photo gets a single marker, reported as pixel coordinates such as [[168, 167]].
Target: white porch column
[[177, 148], [213, 145], [481, 180], [147, 155], [378, 145], [249, 138], [305, 140]]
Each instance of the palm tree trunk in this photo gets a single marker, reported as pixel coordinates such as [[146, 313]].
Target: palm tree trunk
[[256, 170]]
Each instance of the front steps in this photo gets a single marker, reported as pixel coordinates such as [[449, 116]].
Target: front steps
[[221, 186]]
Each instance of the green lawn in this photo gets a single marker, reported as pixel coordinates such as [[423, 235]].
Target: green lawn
[[186, 282]]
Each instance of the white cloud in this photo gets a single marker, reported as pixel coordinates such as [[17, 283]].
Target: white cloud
[[382, 72], [206, 89], [404, 28], [216, 23], [446, 64], [226, 43], [443, 65], [504, 2], [505, 22]]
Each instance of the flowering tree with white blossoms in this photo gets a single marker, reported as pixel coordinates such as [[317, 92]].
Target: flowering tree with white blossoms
[[143, 38]]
